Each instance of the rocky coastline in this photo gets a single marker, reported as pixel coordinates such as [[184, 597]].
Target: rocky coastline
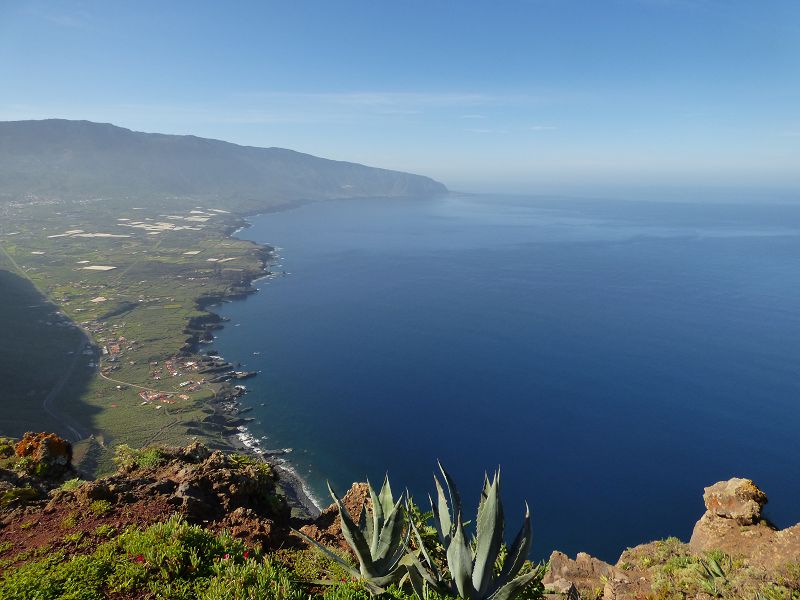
[[227, 418]]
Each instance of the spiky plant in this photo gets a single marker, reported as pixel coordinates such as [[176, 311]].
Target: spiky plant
[[471, 562], [378, 540], [713, 575]]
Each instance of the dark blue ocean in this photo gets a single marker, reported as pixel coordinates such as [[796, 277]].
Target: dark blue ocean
[[613, 357]]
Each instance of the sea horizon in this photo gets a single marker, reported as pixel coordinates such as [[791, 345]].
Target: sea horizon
[[328, 379]]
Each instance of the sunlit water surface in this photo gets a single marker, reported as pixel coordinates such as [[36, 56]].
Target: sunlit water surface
[[613, 357]]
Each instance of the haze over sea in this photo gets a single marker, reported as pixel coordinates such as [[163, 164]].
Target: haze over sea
[[613, 357]]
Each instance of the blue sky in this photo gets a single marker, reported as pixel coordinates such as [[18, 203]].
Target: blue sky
[[535, 95]]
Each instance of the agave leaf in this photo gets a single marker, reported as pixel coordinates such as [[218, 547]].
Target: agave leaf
[[390, 563], [435, 582], [390, 535], [365, 524], [715, 568], [354, 537], [386, 497], [490, 538], [377, 519], [455, 497], [515, 586], [459, 559], [431, 564], [388, 579], [332, 555], [518, 553], [484, 492], [441, 512], [417, 583]]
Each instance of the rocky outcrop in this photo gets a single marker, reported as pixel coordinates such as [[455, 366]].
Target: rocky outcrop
[[737, 499], [32, 467], [51, 455], [327, 527], [201, 485], [585, 573], [734, 524]]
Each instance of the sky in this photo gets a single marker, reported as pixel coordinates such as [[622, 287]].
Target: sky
[[503, 95]]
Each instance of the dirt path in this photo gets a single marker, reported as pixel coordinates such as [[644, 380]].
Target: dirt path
[[135, 385]]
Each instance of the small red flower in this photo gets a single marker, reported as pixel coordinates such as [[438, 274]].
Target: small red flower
[[139, 559], [246, 554], [227, 556]]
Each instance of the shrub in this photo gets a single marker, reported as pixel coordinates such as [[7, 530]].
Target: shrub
[[73, 538], [252, 581], [126, 457], [472, 561], [70, 521], [71, 484], [19, 495], [150, 458], [101, 507], [106, 531], [378, 541], [6, 447]]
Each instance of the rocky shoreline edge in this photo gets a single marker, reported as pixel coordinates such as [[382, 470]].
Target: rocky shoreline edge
[[228, 417]]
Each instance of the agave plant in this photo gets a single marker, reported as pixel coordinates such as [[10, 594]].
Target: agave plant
[[713, 575], [471, 562], [378, 540]]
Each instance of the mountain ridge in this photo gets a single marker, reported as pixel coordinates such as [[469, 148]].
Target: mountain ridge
[[72, 159]]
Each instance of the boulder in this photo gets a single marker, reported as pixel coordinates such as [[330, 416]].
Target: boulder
[[327, 527], [737, 498], [51, 454], [734, 524], [585, 573], [245, 523]]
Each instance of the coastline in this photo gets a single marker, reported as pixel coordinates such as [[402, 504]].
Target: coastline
[[228, 410]]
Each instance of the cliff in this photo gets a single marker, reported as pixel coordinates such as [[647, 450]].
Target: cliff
[[189, 522]]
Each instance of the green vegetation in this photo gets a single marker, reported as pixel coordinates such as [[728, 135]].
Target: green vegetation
[[18, 495], [171, 560], [148, 458], [72, 484], [103, 352], [101, 507], [105, 531], [473, 564], [79, 159], [378, 541], [481, 568], [70, 521], [676, 573], [102, 267]]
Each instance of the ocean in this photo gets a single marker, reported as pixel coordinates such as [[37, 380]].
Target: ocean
[[612, 357]]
